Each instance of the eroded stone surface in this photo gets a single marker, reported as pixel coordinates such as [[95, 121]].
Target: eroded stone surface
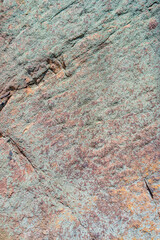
[[79, 141]]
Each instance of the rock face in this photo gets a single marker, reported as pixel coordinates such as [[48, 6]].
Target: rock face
[[79, 142]]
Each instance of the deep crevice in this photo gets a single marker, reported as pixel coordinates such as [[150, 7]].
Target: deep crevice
[[3, 103], [149, 189], [5, 95], [154, 3]]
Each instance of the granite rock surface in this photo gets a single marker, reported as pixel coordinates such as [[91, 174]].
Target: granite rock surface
[[79, 117]]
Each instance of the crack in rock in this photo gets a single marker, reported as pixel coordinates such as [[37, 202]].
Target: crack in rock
[[149, 189], [20, 150], [5, 101]]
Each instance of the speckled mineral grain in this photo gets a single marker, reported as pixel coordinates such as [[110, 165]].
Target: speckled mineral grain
[[79, 114]]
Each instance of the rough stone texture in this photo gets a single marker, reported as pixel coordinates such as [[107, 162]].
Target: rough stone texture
[[79, 101]]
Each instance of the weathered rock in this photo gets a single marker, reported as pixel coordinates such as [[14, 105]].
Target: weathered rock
[[79, 101]]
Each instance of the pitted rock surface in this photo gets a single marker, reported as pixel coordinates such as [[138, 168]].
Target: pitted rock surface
[[79, 120]]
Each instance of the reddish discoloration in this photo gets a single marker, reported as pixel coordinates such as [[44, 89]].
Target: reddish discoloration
[[18, 174], [152, 24], [10, 191], [3, 187], [28, 168]]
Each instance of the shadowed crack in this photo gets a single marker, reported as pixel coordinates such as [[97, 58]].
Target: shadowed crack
[[20, 150], [68, 6], [5, 95], [37, 74], [154, 3], [75, 39], [149, 189], [38, 171], [4, 102]]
